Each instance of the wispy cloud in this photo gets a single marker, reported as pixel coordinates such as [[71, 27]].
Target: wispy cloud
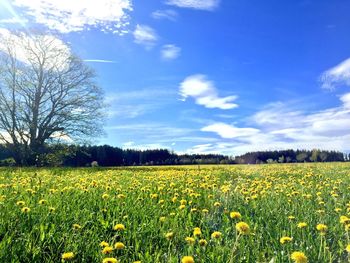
[[145, 35], [338, 75], [14, 20], [208, 5], [165, 14], [71, 16], [99, 61], [150, 132], [205, 93], [170, 52], [279, 127], [229, 131], [135, 103]]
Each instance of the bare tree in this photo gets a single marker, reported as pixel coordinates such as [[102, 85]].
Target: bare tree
[[46, 94]]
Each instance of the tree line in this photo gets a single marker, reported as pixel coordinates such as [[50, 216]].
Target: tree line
[[105, 155]]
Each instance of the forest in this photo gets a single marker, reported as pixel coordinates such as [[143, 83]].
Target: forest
[[105, 155]]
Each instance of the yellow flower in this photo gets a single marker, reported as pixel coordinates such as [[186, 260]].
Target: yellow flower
[[347, 248], [104, 244], [105, 196], [202, 242], [107, 250], [182, 207], [344, 220], [187, 259], [322, 228], [197, 231], [302, 225], [162, 219], [291, 217], [68, 255], [217, 204], [190, 240], [119, 245], [169, 235], [216, 234], [110, 260], [121, 196], [242, 228], [20, 203], [52, 209], [76, 226], [119, 227], [235, 215], [138, 261], [205, 211], [284, 240], [25, 209], [42, 202], [298, 257]]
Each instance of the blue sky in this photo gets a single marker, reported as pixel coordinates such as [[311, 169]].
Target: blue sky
[[226, 76]]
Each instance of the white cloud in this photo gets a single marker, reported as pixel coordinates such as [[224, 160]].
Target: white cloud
[[205, 93], [195, 4], [170, 52], [229, 131], [346, 100], [57, 62], [14, 20], [279, 127], [338, 75], [71, 16], [99, 61], [165, 14], [145, 35]]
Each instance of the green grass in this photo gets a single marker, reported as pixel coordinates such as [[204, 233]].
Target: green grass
[[265, 196]]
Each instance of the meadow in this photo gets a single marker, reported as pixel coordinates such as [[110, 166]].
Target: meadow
[[241, 213]]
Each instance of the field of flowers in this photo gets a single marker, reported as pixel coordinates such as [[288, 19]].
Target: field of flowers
[[258, 213]]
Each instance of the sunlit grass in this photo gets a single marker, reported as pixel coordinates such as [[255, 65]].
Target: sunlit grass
[[289, 213]]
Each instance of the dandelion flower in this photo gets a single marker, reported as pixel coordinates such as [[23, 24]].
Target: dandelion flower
[[302, 225], [298, 257], [104, 244], [190, 240], [169, 235], [42, 202], [76, 226], [119, 227], [107, 250], [110, 260], [216, 234], [344, 220], [197, 231], [285, 239], [20, 203], [25, 209], [242, 228], [322, 228], [119, 246], [187, 259], [235, 215], [202, 242], [347, 248], [68, 255]]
